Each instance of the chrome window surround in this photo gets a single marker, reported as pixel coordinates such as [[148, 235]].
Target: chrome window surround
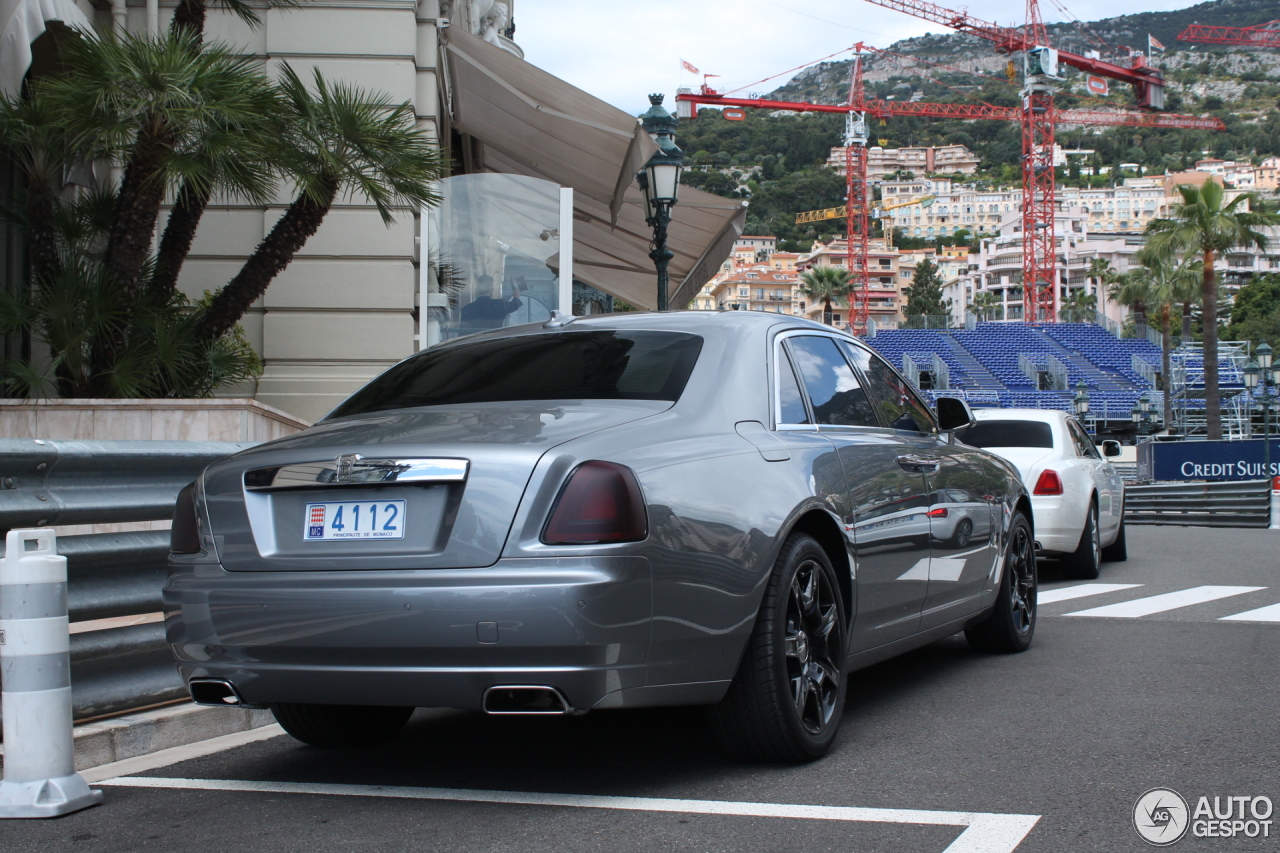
[[779, 358], [352, 469]]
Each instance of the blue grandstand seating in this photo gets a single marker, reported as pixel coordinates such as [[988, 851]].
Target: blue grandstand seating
[[984, 363]]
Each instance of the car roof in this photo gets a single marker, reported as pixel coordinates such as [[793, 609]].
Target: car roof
[[1042, 415]]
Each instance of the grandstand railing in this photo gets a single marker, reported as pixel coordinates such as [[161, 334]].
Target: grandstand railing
[[941, 373], [1058, 373], [1143, 368]]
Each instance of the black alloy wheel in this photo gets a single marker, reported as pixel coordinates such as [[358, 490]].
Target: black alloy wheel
[[787, 697], [1012, 621], [814, 646], [1021, 570], [964, 530]]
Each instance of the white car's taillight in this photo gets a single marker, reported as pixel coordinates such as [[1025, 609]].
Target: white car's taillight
[[601, 503], [1049, 483]]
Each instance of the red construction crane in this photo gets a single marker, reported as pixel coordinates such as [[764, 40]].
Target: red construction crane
[[1039, 286], [1038, 251], [1263, 35]]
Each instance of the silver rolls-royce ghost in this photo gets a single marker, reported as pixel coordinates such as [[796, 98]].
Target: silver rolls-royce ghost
[[728, 509]]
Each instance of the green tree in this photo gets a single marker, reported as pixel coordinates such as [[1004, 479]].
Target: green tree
[[1168, 283], [1203, 225], [1079, 307], [924, 296], [1255, 314], [333, 140], [986, 306], [829, 284], [1134, 292], [1103, 275]]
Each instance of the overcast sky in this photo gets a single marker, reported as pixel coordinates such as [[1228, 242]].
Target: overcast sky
[[620, 50]]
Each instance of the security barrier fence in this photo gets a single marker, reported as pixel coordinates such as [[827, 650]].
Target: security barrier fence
[[1232, 503], [54, 483]]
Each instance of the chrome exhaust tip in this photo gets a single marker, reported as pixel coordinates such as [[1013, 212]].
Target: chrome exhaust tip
[[525, 699], [214, 691]]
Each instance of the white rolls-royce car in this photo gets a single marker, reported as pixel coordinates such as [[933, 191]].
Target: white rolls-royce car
[[1077, 497]]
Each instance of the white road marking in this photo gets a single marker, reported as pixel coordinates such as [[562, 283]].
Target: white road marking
[[1066, 593], [1167, 601], [984, 832], [945, 569], [174, 754], [1270, 613]]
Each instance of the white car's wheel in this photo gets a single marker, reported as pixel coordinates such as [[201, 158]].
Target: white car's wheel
[[1086, 561]]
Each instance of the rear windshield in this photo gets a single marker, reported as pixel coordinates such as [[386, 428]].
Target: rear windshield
[[594, 365], [1007, 434]]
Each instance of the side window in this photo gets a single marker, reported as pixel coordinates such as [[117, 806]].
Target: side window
[[899, 405], [1084, 444], [835, 391], [791, 404]]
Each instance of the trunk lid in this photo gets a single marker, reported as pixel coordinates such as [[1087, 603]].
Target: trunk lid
[[468, 465], [1025, 459]]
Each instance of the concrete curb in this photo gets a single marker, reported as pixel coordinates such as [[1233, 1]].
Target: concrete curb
[[133, 735]]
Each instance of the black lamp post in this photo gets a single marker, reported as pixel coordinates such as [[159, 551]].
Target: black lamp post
[[1081, 401], [660, 183], [1266, 372]]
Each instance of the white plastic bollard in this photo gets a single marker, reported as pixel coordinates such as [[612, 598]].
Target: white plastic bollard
[[1275, 503], [40, 778]]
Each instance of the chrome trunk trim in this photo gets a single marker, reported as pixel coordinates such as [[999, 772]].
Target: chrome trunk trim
[[352, 469]]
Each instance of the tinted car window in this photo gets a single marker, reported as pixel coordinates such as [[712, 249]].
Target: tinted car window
[[1084, 444], [1006, 434], [792, 404], [898, 404], [835, 392], [589, 365]]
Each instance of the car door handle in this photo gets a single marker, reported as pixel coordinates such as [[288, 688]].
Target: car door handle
[[919, 464]]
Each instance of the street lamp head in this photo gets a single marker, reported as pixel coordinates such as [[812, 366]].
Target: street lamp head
[[1263, 353], [1144, 402], [1136, 414], [1251, 371], [1081, 400]]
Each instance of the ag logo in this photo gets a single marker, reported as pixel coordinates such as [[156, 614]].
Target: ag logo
[[1161, 816]]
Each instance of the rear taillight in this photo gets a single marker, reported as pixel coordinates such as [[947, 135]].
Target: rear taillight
[[940, 512], [601, 503], [184, 536], [1049, 483]]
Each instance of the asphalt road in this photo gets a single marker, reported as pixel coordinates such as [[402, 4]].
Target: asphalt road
[[1100, 710]]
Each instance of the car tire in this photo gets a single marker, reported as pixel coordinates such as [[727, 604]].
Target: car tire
[[1012, 622], [340, 725], [1085, 562], [1117, 551], [964, 531], [786, 700]]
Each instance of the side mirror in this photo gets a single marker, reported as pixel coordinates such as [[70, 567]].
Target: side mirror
[[1110, 448], [953, 413]]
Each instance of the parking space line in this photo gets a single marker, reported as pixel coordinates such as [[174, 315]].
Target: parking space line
[[1167, 601], [175, 754], [1066, 593], [1270, 613], [983, 833]]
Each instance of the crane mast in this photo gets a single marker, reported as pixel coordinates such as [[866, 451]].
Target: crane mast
[[857, 218]]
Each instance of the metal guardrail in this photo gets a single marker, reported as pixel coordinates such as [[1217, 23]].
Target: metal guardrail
[[48, 483], [1235, 503]]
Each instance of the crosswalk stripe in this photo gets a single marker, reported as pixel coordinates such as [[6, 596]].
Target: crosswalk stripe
[[1270, 613], [1066, 593], [1167, 601]]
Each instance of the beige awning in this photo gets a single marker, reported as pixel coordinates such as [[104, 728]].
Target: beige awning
[[529, 122]]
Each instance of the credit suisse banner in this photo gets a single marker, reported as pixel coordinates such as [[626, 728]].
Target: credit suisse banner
[[1206, 460]]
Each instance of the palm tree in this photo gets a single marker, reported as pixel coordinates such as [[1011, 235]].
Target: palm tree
[[986, 306], [158, 107], [830, 284], [1203, 225], [1103, 275], [339, 139], [1168, 283], [1079, 307], [1133, 291]]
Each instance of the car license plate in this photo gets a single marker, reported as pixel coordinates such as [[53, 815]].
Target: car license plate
[[354, 520]]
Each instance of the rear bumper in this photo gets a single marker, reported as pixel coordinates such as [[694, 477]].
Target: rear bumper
[[1057, 531], [429, 638]]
